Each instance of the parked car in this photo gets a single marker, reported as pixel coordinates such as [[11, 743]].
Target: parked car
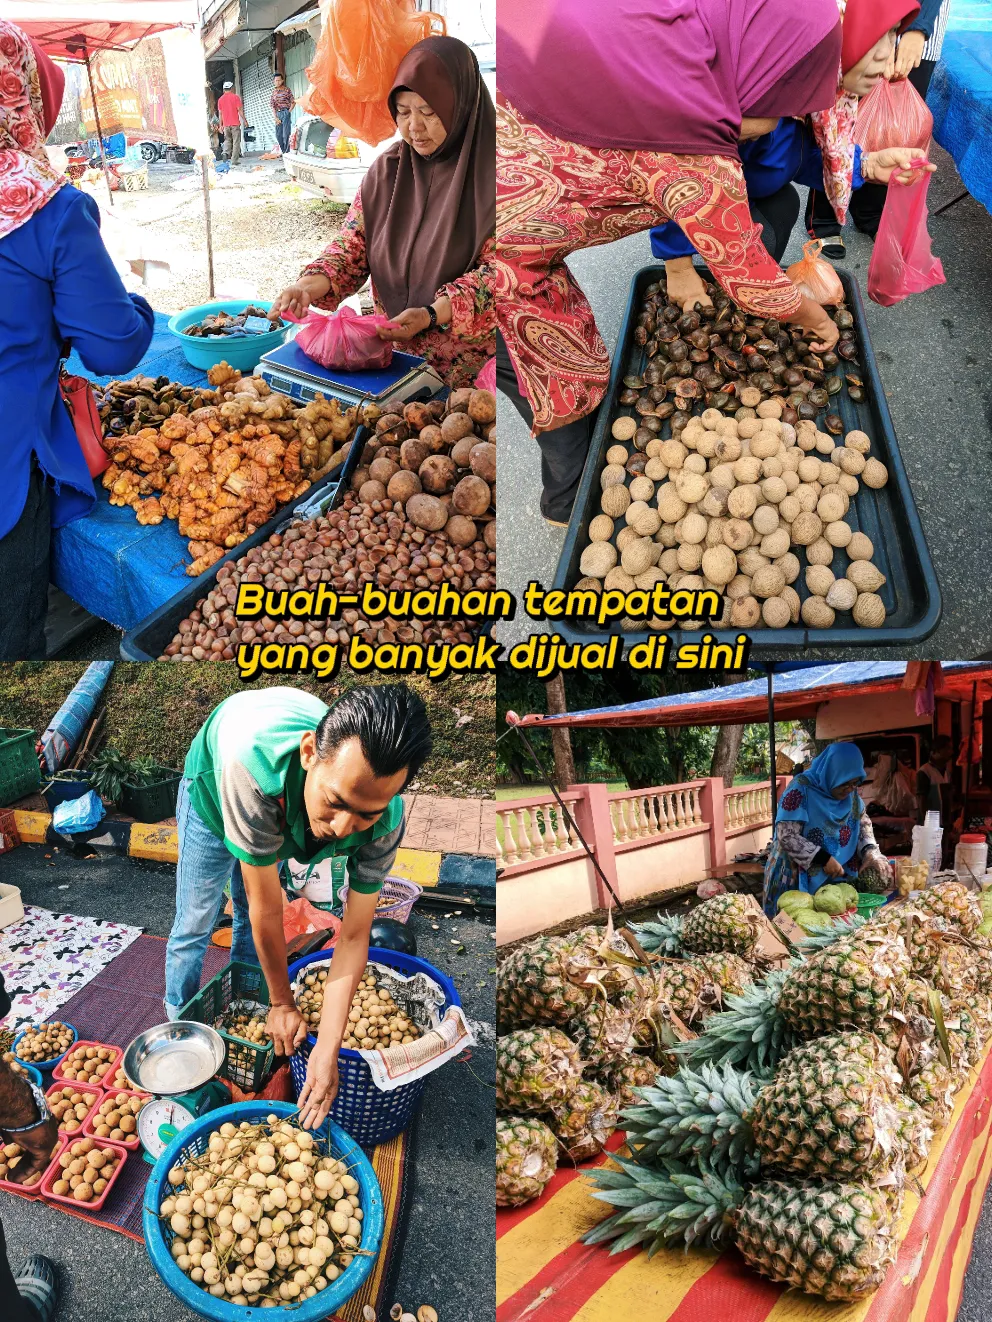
[[323, 161]]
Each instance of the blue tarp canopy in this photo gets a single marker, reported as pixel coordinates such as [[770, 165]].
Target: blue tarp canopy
[[117, 568], [960, 95], [798, 693]]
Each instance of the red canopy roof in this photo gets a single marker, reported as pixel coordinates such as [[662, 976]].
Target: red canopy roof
[[75, 29], [797, 693]]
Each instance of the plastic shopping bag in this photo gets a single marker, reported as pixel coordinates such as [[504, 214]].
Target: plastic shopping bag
[[360, 47], [902, 262], [893, 115], [486, 380], [345, 339], [814, 276], [83, 814], [300, 918]]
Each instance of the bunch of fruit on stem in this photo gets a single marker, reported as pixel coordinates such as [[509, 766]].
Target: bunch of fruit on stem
[[787, 1108]]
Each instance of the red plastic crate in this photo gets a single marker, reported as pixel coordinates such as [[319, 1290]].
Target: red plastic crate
[[55, 1170], [59, 1077], [91, 1121], [34, 1190], [90, 1090]]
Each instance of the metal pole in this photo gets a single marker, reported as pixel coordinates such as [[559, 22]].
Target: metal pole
[[967, 765], [569, 819], [99, 129], [771, 741], [205, 164]]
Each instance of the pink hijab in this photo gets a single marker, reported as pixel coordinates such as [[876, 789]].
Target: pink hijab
[[31, 87], [665, 75]]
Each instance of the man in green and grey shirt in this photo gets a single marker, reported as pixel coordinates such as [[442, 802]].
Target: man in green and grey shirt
[[275, 774]]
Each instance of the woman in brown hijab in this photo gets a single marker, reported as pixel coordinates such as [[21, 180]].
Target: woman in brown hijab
[[422, 224]]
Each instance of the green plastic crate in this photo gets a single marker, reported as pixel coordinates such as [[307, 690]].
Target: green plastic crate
[[246, 1063], [867, 904], [19, 774], [155, 802]]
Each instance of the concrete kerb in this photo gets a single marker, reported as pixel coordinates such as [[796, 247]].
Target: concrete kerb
[[159, 843]]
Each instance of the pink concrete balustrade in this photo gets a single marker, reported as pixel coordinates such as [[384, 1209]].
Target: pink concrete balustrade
[[645, 841]]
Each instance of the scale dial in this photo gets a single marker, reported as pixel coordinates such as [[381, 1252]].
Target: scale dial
[[159, 1121]]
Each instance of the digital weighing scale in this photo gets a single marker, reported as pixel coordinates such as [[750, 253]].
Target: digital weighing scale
[[176, 1063], [288, 370]]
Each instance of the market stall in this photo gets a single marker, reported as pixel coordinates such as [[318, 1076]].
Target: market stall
[[744, 1087], [960, 96]]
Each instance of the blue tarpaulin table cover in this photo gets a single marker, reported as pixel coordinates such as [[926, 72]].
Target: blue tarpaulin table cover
[[108, 562], [960, 95]]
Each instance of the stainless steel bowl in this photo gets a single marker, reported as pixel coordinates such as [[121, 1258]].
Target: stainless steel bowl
[[173, 1058]]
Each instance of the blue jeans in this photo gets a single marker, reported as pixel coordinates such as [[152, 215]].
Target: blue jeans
[[204, 869], [283, 118]]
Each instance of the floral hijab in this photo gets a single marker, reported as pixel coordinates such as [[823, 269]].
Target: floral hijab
[[864, 23], [29, 103], [831, 824]]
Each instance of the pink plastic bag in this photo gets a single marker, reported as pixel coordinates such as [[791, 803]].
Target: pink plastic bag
[[893, 115], [486, 380], [902, 262], [344, 339]]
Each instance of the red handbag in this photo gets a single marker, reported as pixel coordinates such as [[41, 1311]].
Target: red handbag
[[78, 395]]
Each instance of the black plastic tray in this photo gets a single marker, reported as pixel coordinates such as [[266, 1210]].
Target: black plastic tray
[[149, 639], [911, 592]]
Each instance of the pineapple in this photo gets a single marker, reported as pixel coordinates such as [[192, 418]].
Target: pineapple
[[526, 1157], [854, 983], [828, 1239], [686, 987], [730, 973], [584, 1123], [659, 1029], [829, 1112], [871, 882], [933, 1089], [626, 1075], [603, 1033], [536, 1068], [954, 902], [547, 981], [964, 1036], [915, 1132], [728, 922], [749, 1031]]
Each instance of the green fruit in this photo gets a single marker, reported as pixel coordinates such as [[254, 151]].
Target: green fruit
[[985, 927], [830, 899], [849, 892], [811, 920], [790, 900]]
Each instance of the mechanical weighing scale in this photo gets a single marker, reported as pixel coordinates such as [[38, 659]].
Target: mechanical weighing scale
[[288, 370], [176, 1063]]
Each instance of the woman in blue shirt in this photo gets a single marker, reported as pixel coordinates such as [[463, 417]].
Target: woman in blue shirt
[[59, 290]]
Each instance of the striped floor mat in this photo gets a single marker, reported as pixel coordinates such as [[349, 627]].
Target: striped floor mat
[[545, 1274]]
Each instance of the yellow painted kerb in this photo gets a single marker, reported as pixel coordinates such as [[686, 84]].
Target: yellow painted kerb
[[32, 827], [420, 865], [155, 841]]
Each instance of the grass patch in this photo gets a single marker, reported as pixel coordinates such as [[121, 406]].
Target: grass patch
[[155, 709]]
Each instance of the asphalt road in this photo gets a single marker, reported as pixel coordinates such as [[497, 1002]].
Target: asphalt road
[[932, 353], [448, 1258]]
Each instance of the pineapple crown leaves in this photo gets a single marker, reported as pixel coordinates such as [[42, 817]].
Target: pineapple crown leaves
[[663, 937], [749, 1032], [842, 926], [697, 1116], [664, 1207]]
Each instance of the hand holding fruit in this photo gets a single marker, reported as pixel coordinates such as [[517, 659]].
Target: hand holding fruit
[[832, 868]]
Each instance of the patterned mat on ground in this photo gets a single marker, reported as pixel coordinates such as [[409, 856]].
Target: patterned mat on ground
[[544, 1273], [125, 998], [46, 959]]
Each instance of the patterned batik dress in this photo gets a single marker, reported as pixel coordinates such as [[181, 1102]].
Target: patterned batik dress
[[554, 198], [795, 860]]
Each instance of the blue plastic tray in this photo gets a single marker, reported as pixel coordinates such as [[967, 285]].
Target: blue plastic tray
[[46, 1065], [191, 1142], [369, 1114]]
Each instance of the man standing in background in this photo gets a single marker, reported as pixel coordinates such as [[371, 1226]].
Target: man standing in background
[[282, 102], [232, 117]]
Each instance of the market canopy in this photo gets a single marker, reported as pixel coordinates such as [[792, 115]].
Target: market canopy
[[797, 693], [74, 29]]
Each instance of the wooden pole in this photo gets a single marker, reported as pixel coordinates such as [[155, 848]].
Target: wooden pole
[[205, 164], [99, 130], [771, 740]]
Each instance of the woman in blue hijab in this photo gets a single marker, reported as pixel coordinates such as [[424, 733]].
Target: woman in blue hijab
[[822, 832]]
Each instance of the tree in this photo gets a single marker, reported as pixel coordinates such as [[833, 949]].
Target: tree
[[561, 743], [724, 762]]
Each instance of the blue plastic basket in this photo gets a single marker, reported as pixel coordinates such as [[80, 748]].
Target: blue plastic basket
[[46, 1065], [193, 1141], [33, 1074], [206, 351], [368, 1114]]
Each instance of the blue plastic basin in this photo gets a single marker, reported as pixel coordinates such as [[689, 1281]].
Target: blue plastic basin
[[207, 351]]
